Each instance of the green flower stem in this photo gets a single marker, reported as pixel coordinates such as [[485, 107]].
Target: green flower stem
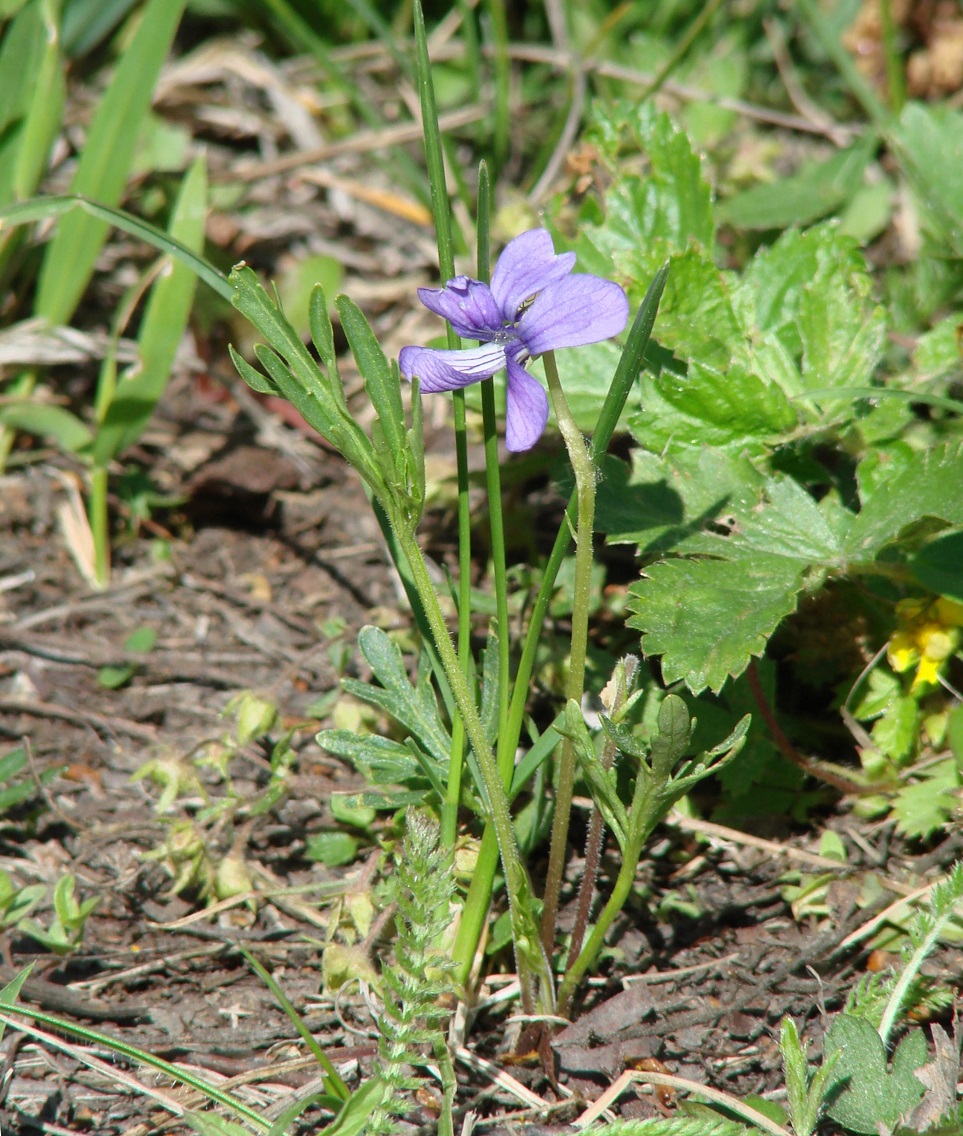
[[502, 127], [493, 478], [584, 469], [475, 908], [449, 812], [534, 972], [680, 51], [895, 80], [97, 515], [434, 158]]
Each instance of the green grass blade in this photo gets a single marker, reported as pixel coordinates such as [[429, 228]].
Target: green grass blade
[[334, 1084], [32, 92], [106, 161], [89, 22], [45, 420], [133, 1053], [42, 208], [162, 328], [922, 397], [11, 992]]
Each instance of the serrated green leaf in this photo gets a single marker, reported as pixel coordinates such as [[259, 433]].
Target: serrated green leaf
[[865, 1093], [925, 806], [707, 618], [663, 499], [733, 409], [929, 141], [928, 486], [842, 335], [647, 218], [697, 319], [938, 351], [939, 565]]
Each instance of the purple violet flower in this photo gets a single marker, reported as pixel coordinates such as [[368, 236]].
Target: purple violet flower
[[535, 304]]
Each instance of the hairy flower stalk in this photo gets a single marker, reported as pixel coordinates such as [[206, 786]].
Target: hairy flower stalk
[[534, 304]]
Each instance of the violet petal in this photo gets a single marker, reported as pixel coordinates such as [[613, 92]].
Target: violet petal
[[526, 265], [467, 304], [450, 370], [526, 409], [574, 311]]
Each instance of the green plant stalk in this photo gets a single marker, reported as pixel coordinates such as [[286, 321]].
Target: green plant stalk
[[476, 902], [910, 971], [501, 132], [681, 49], [643, 818], [449, 813], [99, 527], [449, 1086], [438, 191], [475, 909], [493, 479], [844, 64], [895, 80], [534, 971], [584, 469], [333, 1084]]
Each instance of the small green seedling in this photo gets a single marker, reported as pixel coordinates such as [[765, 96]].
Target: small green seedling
[[64, 934]]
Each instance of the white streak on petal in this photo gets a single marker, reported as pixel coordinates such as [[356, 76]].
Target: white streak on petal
[[451, 370]]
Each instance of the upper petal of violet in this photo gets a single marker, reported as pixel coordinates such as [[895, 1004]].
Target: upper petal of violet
[[573, 311], [450, 370], [467, 304], [527, 264]]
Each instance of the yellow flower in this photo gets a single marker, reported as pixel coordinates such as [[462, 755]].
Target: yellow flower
[[927, 635]]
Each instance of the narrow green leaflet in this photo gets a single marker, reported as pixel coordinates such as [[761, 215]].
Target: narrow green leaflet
[[105, 160], [817, 189], [705, 1123], [415, 707], [165, 320], [32, 89]]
